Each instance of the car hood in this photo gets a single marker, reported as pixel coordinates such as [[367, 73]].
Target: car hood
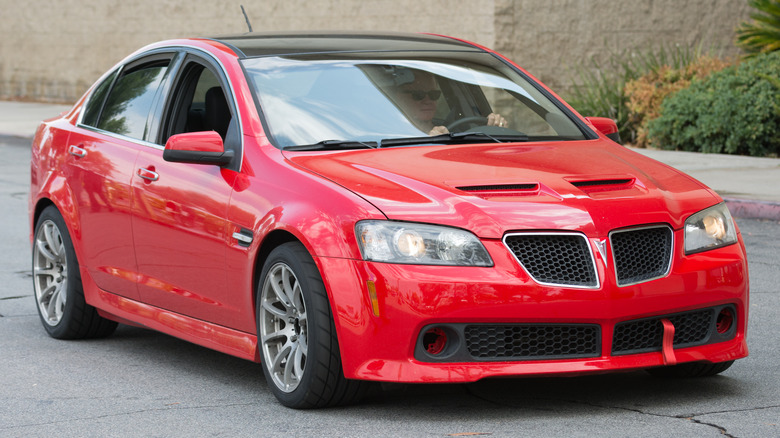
[[591, 186]]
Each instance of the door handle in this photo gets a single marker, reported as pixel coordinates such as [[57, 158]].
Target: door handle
[[77, 151], [148, 175]]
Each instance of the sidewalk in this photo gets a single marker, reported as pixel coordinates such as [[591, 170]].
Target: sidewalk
[[750, 185]]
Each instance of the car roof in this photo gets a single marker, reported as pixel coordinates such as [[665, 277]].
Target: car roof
[[270, 44]]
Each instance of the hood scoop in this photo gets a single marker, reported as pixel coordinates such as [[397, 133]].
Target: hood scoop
[[500, 190], [594, 184]]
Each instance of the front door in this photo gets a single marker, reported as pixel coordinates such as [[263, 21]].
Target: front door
[[179, 223]]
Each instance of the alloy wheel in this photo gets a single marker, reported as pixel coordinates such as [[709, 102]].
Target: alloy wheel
[[283, 327], [50, 272]]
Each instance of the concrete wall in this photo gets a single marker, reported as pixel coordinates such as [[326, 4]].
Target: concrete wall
[[551, 37], [54, 50]]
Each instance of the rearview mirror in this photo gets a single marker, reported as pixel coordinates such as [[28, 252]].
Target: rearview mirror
[[606, 126], [204, 147]]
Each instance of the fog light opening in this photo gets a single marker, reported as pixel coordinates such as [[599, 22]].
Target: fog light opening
[[434, 341], [725, 321]]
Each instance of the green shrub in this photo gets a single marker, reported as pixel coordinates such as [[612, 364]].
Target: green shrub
[[732, 111], [600, 87], [646, 93]]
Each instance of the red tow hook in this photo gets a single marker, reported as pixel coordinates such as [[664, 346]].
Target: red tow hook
[[668, 343]]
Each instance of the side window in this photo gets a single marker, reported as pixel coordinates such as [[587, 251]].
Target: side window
[[127, 107], [199, 103], [95, 103]]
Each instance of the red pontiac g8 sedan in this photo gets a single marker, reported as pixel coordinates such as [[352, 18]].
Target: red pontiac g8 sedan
[[346, 208]]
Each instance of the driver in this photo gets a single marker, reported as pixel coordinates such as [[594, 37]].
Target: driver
[[417, 99]]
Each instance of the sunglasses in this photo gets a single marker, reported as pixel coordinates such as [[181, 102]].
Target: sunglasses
[[420, 95]]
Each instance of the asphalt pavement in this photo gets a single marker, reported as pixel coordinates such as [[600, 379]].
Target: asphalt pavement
[[750, 185]]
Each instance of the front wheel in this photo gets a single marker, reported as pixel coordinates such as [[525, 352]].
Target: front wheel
[[59, 295], [296, 335]]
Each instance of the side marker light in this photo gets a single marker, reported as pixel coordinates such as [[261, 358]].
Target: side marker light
[[372, 296]]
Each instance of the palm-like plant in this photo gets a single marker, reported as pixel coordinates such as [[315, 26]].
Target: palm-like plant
[[762, 35]]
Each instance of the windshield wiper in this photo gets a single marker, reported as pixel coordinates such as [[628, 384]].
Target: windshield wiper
[[453, 138], [332, 145]]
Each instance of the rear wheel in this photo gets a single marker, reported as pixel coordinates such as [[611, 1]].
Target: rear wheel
[[296, 334], [694, 369], [59, 295]]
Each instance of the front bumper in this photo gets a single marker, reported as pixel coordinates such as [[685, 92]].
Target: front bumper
[[380, 339]]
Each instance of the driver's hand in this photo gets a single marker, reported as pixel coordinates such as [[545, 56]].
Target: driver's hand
[[438, 130], [494, 119]]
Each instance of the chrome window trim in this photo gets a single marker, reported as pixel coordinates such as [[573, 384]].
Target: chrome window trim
[[562, 233], [646, 227], [174, 49], [122, 137]]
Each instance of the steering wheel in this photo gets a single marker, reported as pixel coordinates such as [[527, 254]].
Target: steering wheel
[[476, 120]]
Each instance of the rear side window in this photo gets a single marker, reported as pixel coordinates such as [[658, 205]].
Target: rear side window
[[95, 103], [127, 107]]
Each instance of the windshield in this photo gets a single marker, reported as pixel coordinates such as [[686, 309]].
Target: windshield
[[362, 98]]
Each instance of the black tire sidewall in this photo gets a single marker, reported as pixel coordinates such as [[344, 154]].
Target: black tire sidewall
[[319, 321], [74, 292]]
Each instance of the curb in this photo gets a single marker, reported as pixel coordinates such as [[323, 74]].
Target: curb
[[749, 209]]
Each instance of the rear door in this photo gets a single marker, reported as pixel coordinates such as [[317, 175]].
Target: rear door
[[101, 155]]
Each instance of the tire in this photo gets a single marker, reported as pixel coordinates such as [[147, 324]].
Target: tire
[[296, 334], [59, 295], [693, 369]]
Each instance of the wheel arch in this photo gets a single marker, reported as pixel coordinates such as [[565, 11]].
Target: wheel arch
[[273, 240], [57, 193], [38, 209], [335, 295]]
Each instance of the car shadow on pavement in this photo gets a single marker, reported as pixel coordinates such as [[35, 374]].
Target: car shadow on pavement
[[630, 391]]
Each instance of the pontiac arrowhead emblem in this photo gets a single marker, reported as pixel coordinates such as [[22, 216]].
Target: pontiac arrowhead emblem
[[601, 245]]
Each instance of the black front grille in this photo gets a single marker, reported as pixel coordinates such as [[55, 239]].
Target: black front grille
[[644, 335], [510, 342], [641, 254], [559, 259]]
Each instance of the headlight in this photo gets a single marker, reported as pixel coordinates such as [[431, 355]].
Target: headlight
[[419, 244], [709, 229]]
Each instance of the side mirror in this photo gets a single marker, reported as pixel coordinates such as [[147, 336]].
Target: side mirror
[[204, 147], [606, 126]]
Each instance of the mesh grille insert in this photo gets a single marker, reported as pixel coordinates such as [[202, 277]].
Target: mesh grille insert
[[559, 259], [532, 341], [690, 328], [641, 255]]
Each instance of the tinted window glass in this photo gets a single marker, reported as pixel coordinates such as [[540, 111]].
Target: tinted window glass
[[128, 104], [95, 103], [199, 104], [368, 97]]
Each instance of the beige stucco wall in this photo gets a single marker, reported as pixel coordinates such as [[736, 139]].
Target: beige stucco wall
[[53, 50], [551, 37]]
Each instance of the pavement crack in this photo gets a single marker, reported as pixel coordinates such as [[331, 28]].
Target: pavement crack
[[14, 298], [691, 417], [168, 407], [722, 430]]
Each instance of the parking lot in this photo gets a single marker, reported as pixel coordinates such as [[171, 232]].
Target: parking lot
[[141, 383]]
